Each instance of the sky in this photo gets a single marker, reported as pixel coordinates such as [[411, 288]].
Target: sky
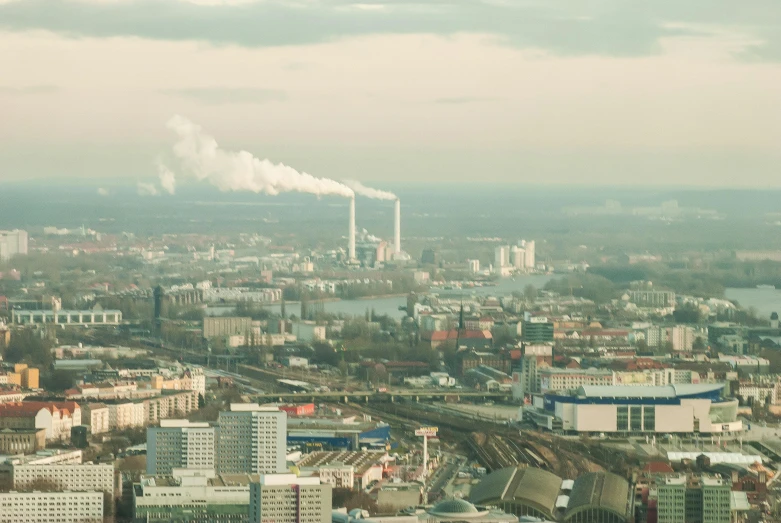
[[562, 92]]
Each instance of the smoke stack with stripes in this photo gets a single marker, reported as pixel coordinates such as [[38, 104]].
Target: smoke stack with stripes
[[351, 231], [397, 227]]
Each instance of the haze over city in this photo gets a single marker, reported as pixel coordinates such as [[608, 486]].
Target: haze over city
[[426, 261]]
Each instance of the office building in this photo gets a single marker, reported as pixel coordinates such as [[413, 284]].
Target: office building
[[179, 444], [193, 495], [51, 507], [285, 497], [251, 440], [693, 499], [12, 243], [537, 330]]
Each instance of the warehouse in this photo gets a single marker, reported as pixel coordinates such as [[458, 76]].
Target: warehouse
[[336, 434], [685, 408]]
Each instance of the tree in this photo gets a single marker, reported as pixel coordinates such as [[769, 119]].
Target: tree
[[699, 344], [28, 347], [201, 401]]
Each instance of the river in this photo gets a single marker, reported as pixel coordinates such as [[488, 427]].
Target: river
[[764, 301], [390, 305]]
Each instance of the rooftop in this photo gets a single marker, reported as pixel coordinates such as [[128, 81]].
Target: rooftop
[[632, 391]]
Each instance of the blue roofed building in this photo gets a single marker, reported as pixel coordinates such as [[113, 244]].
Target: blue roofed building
[[682, 409]]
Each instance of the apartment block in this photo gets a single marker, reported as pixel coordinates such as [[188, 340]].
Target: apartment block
[[252, 440], [51, 507], [179, 444], [285, 497], [21, 473]]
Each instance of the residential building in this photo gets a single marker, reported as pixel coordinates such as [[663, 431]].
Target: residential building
[[285, 497], [22, 441], [218, 326], [12, 396], [649, 298], [550, 378], [22, 473], [51, 507], [96, 416], [530, 257], [56, 418], [474, 266], [501, 257], [12, 243], [251, 439], [193, 495], [179, 444]]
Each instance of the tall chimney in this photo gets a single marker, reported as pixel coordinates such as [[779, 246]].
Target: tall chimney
[[397, 227], [351, 231]]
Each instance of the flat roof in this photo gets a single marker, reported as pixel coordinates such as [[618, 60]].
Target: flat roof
[[637, 391], [717, 457]]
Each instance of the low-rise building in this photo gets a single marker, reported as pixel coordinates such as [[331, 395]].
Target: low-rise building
[[348, 469], [56, 417], [22, 441], [22, 473], [51, 507], [188, 495]]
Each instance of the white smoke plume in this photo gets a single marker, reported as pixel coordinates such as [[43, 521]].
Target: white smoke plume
[[147, 189], [362, 190], [202, 158], [167, 178], [102, 191]]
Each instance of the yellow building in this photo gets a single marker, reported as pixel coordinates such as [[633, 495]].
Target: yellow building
[[19, 367], [30, 378], [14, 378]]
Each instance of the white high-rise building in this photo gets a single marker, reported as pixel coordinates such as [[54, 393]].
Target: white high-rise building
[[12, 243], [519, 257], [530, 262], [285, 497], [501, 257], [252, 440], [474, 266], [179, 444]]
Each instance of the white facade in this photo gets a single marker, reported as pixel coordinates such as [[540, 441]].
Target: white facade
[[78, 477], [96, 417], [126, 415], [308, 331], [179, 444], [337, 475], [530, 256], [12, 243], [252, 440], [501, 258], [51, 507], [519, 257], [473, 266], [291, 499]]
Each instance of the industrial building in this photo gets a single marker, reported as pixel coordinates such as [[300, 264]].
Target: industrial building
[[531, 492], [637, 409], [350, 469], [449, 510]]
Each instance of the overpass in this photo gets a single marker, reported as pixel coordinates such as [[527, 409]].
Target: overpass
[[389, 396]]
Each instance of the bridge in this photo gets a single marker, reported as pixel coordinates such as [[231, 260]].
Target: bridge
[[389, 396]]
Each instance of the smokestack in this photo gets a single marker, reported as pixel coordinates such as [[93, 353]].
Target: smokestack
[[397, 227], [351, 231]]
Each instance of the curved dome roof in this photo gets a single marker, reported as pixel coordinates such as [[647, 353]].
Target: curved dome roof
[[455, 508]]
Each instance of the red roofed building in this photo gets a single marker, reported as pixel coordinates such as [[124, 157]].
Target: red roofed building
[[55, 417]]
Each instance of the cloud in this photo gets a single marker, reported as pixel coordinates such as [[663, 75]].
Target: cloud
[[606, 27], [167, 178], [28, 89], [102, 191], [147, 189], [466, 100], [230, 95]]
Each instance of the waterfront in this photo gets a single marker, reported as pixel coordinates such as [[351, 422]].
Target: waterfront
[[390, 305], [765, 301]]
